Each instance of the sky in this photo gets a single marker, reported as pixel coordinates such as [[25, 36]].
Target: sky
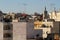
[[28, 6]]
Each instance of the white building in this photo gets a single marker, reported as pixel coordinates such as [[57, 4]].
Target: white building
[[55, 16]]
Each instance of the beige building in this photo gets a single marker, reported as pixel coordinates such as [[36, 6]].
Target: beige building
[[58, 16], [45, 30], [18, 30], [38, 25], [12, 31], [11, 14], [24, 30], [55, 16]]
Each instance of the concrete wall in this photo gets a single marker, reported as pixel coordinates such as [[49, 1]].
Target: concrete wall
[[31, 32], [55, 28], [23, 30], [19, 31], [1, 31]]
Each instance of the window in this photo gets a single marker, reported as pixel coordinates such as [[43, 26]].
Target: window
[[7, 35], [7, 27]]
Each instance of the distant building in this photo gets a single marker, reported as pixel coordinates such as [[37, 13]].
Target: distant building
[[55, 15], [38, 25], [44, 26], [45, 14], [12, 15], [15, 20], [56, 27], [19, 30]]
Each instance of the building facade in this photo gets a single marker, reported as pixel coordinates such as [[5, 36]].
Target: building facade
[[25, 30], [55, 15]]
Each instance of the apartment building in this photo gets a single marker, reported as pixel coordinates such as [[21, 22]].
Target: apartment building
[[25, 30], [18, 30], [12, 31]]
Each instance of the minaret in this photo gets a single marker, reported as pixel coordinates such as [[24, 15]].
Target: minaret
[[45, 14]]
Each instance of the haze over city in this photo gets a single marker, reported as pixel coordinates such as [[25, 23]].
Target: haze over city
[[28, 6]]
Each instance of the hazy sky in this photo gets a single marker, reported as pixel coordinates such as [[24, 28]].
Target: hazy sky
[[28, 6]]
